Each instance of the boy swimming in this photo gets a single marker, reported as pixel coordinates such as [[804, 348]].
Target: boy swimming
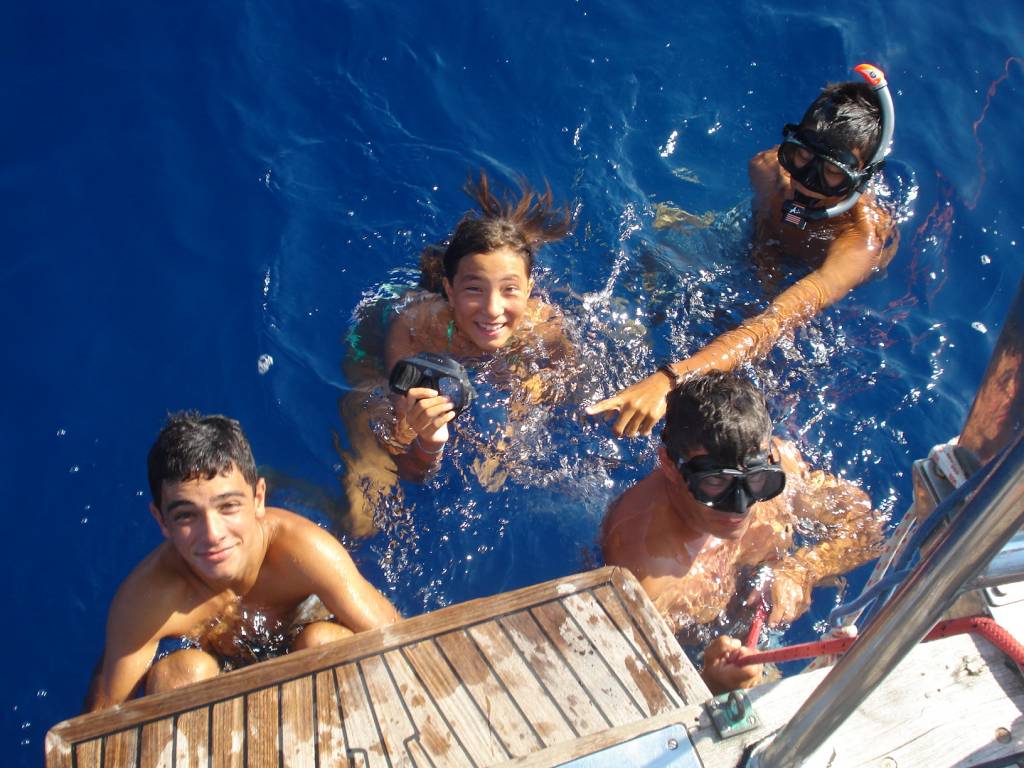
[[810, 203], [728, 501], [230, 567]]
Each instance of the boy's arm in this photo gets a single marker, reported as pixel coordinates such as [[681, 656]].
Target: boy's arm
[[320, 560], [132, 638], [850, 261], [852, 535]]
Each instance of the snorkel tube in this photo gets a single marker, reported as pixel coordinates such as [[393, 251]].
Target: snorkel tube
[[876, 79]]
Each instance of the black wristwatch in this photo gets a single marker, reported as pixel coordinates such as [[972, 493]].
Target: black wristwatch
[[669, 371]]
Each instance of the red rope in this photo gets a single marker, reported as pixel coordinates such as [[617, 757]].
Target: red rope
[[982, 625], [755, 626]]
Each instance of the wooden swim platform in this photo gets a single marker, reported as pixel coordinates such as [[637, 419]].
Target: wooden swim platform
[[529, 677]]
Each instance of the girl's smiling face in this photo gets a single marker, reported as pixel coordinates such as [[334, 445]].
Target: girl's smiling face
[[489, 296]]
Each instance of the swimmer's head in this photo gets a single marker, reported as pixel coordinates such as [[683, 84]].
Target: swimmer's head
[[846, 116], [840, 144], [192, 446], [519, 226], [723, 414]]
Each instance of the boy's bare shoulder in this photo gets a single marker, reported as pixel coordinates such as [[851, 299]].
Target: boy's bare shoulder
[[624, 513], [764, 163], [154, 594], [288, 530]]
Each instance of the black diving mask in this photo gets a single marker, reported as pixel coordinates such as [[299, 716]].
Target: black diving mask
[[829, 171], [439, 372], [730, 489]]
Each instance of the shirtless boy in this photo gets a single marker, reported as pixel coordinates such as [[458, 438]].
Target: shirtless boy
[[808, 206], [724, 500], [230, 568]]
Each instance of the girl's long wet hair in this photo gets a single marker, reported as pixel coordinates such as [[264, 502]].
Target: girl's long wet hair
[[521, 225]]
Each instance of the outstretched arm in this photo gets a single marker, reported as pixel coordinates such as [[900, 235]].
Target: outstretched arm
[[849, 263]]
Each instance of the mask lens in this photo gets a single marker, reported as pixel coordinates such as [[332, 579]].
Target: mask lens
[[814, 166], [765, 483], [404, 377], [451, 389], [718, 486], [713, 486]]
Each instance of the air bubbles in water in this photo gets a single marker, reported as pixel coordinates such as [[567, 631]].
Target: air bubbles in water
[[264, 363], [986, 259], [979, 327]]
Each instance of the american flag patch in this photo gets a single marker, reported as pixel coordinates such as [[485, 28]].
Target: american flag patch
[[792, 215]]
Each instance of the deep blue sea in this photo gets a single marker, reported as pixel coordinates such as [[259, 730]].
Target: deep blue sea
[[189, 186]]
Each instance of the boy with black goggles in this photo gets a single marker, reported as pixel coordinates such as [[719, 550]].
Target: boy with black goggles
[[731, 489]]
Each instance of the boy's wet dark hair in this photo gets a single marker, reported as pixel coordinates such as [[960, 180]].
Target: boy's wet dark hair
[[724, 413], [847, 115], [191, 446], [521, 225]]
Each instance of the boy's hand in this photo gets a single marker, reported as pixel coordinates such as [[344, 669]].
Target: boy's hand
[[790, 597], [640, 406], [723, 669], [428, 414]]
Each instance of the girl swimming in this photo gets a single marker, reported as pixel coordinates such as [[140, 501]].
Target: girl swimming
[[476, 302]]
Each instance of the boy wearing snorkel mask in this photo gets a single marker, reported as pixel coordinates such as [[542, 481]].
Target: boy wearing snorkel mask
[[711, 529], [810, 202]]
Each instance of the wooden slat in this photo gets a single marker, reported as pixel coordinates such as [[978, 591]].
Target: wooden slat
[[58, 751], [87, 754], [396, 728], [120, 750], [668, 696], [644, 683], [471, 730], [688, 681], [262, 729], [227, 742], [192, 738], [557, 678], [330, 735], [298, 664], [546, 720], [157, 748], [589, 664], [492, 697], [297, 747], [362, 734], [476, 684]]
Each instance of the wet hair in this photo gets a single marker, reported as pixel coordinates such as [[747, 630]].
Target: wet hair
[[847, 115], [723, 413], [522, 225], [191, 446]]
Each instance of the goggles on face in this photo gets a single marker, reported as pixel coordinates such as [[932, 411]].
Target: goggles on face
[[729, 489], [829, 171]]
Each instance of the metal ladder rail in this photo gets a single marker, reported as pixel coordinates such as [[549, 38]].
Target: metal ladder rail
[[987, 522]]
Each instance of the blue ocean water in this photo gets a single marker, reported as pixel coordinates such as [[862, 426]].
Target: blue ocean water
[[190, 186]]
